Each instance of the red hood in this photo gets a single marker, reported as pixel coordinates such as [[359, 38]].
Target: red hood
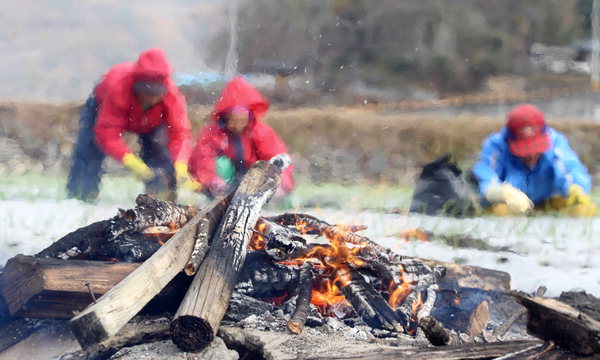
[[151, 65], [239, 92]]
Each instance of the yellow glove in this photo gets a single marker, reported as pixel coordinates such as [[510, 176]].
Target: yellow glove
[[516, 201], [579, 203], [183, 178], [138, 167]]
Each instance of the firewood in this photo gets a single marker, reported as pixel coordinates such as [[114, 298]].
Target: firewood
[[550, 319], [463, 310], [150, 211], [367, 302], [99, 321], [54, 288], [303, 299], [200, 313], [502, 329], [437, 333], [282, 243], [261, 277], [60, 247], [206, 229]]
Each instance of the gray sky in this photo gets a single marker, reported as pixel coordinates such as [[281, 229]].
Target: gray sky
[[57, 49]]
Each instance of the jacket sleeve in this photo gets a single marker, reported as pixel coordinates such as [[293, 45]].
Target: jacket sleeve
[[111, 123], [203, 158], [269, 144], [568, 168], [490, 166], [178, 129]]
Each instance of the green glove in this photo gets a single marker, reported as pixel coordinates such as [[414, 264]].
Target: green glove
[[225, 169]]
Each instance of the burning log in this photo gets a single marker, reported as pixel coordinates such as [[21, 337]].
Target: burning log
[[550, 319], [367, 302], [309, 224], [61, 247], [114, 309], [298, 318], [437, 333], [199, 315], [281, 243], [262, 278]]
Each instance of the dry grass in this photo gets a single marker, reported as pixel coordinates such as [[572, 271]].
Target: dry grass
[[340, 145]]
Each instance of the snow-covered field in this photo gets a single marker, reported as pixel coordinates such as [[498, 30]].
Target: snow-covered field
[[558, 252]]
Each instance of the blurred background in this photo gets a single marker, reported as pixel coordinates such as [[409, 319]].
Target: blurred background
[[362, 92]]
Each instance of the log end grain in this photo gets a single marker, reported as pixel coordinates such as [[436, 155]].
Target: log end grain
[[191, 333]]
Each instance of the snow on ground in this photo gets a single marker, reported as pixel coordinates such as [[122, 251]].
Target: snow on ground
[[557, 252]]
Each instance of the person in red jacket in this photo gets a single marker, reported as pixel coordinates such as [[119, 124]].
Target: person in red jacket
[[235, 139], [139, 98]]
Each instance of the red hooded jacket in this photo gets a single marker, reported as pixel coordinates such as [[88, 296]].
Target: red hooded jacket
[[258, 141], [119, 110]]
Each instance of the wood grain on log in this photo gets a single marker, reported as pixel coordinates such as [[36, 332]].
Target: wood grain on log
[[54, 288], [550, 319], [114, 309], [200, 313]]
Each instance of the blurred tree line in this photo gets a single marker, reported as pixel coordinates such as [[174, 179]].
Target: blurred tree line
[[450, 45]]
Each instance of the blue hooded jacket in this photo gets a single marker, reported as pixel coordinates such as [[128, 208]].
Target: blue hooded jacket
[[558, 168]]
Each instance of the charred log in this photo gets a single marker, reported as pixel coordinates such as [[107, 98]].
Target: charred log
[[367, 302], [242, 306], [150, 211], [298, 318], [463, 310], [101, 320], [282, 243], [263, 278], [75, 239], [502, 329], [436, 333], [199, 316]]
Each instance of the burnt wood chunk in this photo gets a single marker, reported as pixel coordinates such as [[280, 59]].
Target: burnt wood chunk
[[74, 239], [303, 299], [101, 320], [550, 319], [150, 211], [201, 311], [367, 302], [463, 310], [54, 288]]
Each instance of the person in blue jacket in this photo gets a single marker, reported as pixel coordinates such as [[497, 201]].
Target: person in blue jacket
[[528, 164]]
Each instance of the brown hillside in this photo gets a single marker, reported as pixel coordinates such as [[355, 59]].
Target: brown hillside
[[341, 145]]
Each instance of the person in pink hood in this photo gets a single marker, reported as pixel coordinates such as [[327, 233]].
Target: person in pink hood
[[139, 98], [235, 139]]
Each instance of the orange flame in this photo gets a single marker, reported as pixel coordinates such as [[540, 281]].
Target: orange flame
[[257, 241], [326, 295]]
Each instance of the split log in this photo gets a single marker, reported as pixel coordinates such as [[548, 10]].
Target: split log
[[550, 319], [53, 288], [200, 313], [114, 309], [298, 318], [467, 276]]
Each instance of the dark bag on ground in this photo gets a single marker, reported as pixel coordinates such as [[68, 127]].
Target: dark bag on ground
[[441, 190]]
